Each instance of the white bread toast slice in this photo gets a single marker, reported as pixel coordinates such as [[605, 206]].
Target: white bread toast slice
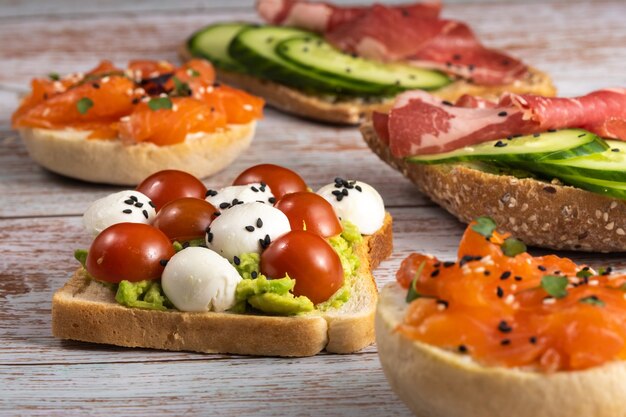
[[540, 213], [86, 310], [435, 382]]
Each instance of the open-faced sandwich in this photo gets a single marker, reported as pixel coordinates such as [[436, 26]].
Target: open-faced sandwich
[[262, 267], [550, 170], [501, 333], [118, 126], [336, 64]]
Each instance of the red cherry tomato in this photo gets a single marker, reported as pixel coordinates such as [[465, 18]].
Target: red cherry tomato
[[308, 259], [165, 186], [280, 180], [305, 209], [185, 219], [129, 251]]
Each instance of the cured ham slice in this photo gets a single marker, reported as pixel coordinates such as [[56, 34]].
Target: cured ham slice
[[412, 33], [324, 17], [422, 124]]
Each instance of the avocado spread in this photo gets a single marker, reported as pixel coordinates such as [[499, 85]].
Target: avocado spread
[[255, 291]]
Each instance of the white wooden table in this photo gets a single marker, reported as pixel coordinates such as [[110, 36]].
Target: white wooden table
[[582, 45]]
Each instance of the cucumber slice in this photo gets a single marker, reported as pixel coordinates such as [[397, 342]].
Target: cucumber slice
[[212, 42], [255, 48], [561, 144], [611, 188], [608, 165], [321, 57]]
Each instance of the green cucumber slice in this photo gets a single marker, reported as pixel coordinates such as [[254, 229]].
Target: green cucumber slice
[[608, 165], [321, 57], [212, 42], [611, 188], [562, 144], [255, 48]]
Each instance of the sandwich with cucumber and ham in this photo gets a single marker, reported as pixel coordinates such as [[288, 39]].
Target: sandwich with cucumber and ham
[[336, 64], [550, 170], [261, 267]]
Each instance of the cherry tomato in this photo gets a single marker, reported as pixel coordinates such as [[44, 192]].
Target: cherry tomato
[[310, 211], [308, 259], [165, 186], [129, 251], [185, 219], [280, 180]]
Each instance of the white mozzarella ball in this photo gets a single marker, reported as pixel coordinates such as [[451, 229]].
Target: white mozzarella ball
[[233, 195], [246, 228], [198, 279], [357, 202], [124, 207]]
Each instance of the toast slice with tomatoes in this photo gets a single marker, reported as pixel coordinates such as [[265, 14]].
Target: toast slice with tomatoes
[[86, 310]]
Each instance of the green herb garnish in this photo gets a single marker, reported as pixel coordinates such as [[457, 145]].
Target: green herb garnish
[[181, 88], [54, 76], [84, 104], [555, 285], [484, 226], [81, 256], [593, 300], [160, 103], [584, 273], [512, 247], [413, 294]]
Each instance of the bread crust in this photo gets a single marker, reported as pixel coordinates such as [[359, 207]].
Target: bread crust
[[70, 153], [86, 310], [540, 213], [438, 383]]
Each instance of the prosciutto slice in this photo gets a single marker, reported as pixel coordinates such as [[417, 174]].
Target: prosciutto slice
[[422, 124], [412, 33]]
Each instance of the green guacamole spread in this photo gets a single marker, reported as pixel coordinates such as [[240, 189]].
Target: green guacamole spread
[[255, 292]]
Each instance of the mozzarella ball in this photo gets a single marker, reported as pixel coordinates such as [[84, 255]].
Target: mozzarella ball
[[246, 228], [198, 279], [357, 202], [124, 207], [233, 195]]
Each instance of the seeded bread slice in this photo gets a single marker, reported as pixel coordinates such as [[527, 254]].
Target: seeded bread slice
[[543, 214], [434, 382], [355, 110], [86, 310]]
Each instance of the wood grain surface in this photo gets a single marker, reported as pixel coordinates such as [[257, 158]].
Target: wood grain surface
[[582, 45]]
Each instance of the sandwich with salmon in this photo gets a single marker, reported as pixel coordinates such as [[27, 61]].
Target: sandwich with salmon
[[550, 170], [498, 332], [117, 126], [336, 64], [263, 266]]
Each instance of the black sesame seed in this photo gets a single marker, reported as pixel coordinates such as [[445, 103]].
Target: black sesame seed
[[272, 200], [267, 240], [499, 292], [607, 271], [132, 197], [211, 193], [136, 100], [462, 349], [259, 222], [536, 135], [551, 130], [469, 258], [262, 243], [437, 264], [344, 191], [447, 103], [504, 327], [340, 197], [336, 193], [217, 214], [151, 204], [95, 85], [163, 262], [615, 150], [486, 273], [145, 214], [549, 189], [253, 188], [254, 274], [185, 245], [127, 211], [505, 342], [236, 260], [358, 188], [434, 273], [208, 229], [533, 340], [129, 202], [224, 205], [510, 137], [209, 237], [500, 144], [448, 264], [581, 135], [502, 114], [250, 228], [505, 275], [139, 205], [234, 202], [542, 268], [339, 180]]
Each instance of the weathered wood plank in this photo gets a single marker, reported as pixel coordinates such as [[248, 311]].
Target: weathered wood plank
[[323, 385]]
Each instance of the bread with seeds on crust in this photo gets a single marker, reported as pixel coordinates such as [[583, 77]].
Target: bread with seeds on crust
[[540, 213], [435, 382], [352, 111], [86, 310]]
